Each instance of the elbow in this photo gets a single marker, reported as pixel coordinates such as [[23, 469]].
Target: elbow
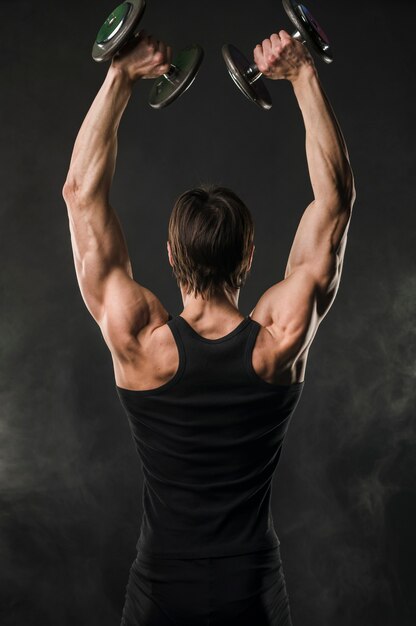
[[74, 195], [68, 191]]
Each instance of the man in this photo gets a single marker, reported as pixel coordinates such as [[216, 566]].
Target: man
[[209, 393]]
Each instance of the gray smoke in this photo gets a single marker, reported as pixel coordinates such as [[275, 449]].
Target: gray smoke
[[353, 447]]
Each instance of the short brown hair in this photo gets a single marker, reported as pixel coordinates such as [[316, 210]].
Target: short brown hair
[[211, 234]]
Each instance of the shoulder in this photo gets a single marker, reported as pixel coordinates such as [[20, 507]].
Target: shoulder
[[289, 310], [277, 354], [148, 360], [147, 327]]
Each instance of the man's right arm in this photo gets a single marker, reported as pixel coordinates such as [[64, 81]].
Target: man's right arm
[[294, 307]]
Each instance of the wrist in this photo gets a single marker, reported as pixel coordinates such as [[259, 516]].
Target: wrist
[[119, 78], [306, 74]]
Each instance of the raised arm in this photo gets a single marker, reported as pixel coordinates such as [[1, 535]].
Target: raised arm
[[118, 304], [294, 307], [319, 240]]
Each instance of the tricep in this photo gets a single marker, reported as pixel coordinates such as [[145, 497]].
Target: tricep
[[293, 308]]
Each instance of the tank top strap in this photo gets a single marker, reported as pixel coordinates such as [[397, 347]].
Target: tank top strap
[[178, 340]]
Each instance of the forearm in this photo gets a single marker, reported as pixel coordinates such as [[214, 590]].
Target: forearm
[[327, 155], [94, 155]]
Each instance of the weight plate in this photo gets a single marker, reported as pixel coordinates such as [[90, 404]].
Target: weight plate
[[170, 86], [117, 29], [237, 65], [309, 29], [113, 23]]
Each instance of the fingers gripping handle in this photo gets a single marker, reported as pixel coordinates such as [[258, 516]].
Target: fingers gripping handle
[[253, 73], [246, 75]]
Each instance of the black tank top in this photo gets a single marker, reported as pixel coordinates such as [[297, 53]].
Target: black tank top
[[209, 441]]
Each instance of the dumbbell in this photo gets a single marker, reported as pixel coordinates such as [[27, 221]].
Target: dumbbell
[[246, 75], [119, 29]]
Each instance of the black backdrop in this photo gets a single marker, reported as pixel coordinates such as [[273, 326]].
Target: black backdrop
[[344, 494]]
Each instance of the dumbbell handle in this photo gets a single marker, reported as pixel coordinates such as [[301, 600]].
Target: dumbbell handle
[[171, 74], [253, 73]]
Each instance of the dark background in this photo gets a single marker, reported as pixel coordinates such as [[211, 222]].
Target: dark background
[[70, 482]]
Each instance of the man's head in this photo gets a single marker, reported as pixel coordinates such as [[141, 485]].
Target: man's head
[[210, 241]]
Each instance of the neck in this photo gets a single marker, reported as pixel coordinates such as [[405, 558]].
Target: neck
[[196, 307]]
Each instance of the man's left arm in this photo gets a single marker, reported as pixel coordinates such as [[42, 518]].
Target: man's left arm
[[119, 305]]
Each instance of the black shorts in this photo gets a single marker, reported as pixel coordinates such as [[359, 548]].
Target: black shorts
[[246, 589]]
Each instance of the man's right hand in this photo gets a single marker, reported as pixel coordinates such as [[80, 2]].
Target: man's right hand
[[282, 56], [143, 57]]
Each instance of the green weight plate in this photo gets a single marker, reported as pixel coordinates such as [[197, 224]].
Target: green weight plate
[[237, 65], [117, 29], [113, 23], [169, 87], [311, 32]]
